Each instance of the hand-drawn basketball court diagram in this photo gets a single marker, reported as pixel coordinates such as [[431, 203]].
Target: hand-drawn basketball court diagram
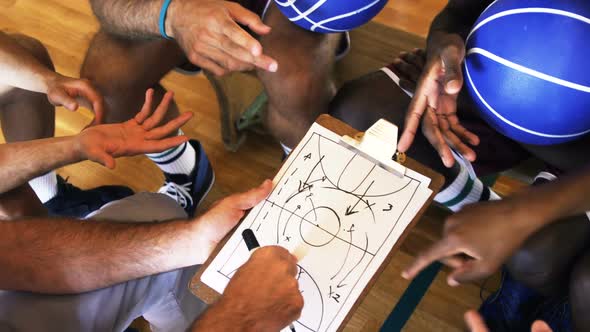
[[339, 205]]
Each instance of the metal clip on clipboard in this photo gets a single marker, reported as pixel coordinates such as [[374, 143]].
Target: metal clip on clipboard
[[378, 144]]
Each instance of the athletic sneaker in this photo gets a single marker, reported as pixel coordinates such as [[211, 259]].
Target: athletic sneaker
[[511, 307], [190, 190], [72, 201]]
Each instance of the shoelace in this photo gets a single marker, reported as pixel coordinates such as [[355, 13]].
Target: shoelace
[[180, 193]]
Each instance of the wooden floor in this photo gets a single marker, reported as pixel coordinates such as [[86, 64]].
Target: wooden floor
[[66, 27]]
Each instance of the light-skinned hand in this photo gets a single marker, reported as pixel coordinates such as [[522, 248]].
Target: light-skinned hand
[[72, 93], [210, 34], [143, 134]]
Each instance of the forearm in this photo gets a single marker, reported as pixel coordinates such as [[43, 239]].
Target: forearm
[[136, 19], [23, 161], [71, 256], [457, 18], [551, 202], [222, 317], [20, 69]]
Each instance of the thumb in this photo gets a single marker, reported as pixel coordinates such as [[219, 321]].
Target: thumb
[[540, 326], [61, 98], [103, 158], [470, 271], [451, 58], [250, 198]]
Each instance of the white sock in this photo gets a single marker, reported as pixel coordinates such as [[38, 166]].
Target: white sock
[[178, 160], [45, 186], [465, 189], [286, 149]]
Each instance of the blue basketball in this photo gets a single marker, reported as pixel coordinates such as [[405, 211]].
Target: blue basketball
[[527, 67], [328, 16]]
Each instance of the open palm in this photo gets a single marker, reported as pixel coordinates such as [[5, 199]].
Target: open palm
[[142, 134]]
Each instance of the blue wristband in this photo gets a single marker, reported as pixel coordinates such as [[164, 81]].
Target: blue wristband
[[162, 20]]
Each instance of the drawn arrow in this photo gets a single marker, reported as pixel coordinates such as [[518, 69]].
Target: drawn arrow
[[350, 209]]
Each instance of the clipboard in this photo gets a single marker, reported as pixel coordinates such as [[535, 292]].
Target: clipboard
[[352, 139]]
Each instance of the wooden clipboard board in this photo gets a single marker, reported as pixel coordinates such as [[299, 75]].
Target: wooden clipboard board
[[209, 296]]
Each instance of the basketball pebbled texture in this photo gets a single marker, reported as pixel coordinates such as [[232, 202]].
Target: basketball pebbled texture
[[330, 16], [527, 68]]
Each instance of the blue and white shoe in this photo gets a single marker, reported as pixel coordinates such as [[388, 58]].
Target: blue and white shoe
[[74, 202], [190, 190]]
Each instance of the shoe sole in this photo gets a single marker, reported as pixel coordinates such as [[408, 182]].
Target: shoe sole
[[208, 189]]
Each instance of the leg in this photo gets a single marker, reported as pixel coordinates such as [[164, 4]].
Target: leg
[[133, 66], [25, 116], [302, 87], [545, 261], [566, 157], [163, 299], [124, 69], [580, 293]]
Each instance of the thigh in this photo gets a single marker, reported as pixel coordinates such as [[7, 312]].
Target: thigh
[[163, 298], [566, 157], [546, 259]]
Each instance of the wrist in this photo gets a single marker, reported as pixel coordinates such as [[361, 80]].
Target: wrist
[[171, 18], [201, 238], [48, 79], [531, 213], [77, 147]]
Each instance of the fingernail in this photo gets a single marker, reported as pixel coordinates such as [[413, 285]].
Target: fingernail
[[452, 282], [273, 67], [405, 275]]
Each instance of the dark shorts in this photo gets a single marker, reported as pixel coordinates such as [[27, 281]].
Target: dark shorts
[[497, 153]]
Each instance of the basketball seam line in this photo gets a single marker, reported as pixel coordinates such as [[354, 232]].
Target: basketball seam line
[[536, 10], [315, 25], [528, 71], [532, 132]]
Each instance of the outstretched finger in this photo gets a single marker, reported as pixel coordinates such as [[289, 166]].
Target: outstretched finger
[[540, 326], [432, 132], [412, 122], [251, 20], [169, 128], [437, 251], [475, 322], [156, 146], [461, 131], [456, 143], [207, 64], [146, 109], [159, 113]]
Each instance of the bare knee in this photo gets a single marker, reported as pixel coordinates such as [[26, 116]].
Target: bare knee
[[363, 101], [539, 266]]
